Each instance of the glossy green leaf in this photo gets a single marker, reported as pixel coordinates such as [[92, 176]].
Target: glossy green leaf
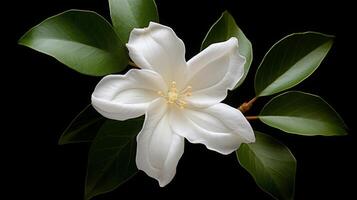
[[271, 164], [82, 40], [303, 114], [112, 156], [290, 61], [129, 14], [223, 29], [84, 127]]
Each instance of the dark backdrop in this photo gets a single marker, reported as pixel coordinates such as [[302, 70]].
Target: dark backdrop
[[40, 97]]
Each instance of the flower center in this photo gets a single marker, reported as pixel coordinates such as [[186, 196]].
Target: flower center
[[175, 97]]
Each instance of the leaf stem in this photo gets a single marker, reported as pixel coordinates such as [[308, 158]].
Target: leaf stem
[[251, 117], [247, 105]]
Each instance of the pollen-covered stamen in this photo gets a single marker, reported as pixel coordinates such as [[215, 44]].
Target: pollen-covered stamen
[[187, 91], [172, 94], [174, 97]]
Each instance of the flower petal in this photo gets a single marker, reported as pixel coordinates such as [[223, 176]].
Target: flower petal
[[122, 97], [158, 48], [158, 148], [213, 71], [220, 127]]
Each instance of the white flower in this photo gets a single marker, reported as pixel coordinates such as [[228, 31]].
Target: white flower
[[179, 99]]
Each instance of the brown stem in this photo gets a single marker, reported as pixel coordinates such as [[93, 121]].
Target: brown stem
[[251, 117], [247, 105], [131, 63]]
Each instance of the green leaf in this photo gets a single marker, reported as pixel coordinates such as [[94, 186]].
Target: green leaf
[[271, 164], [302, 113], [223, 29], [290, 61], [82, 40], [111, 159], [84, 127], [129, 14]]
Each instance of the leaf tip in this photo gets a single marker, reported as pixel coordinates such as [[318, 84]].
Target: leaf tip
[[23, 38], [61, 141], [345, 131], [226, 12], [88, 196], [20, 41]]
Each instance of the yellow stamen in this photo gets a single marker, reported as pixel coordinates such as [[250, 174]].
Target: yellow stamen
[[174, 97]]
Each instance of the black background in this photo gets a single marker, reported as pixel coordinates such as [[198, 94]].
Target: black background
[[40, 96]]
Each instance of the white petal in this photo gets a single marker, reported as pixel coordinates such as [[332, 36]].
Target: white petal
[[122, 97], [157, 47], [213, 71], [220, 127], [158, 148]]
